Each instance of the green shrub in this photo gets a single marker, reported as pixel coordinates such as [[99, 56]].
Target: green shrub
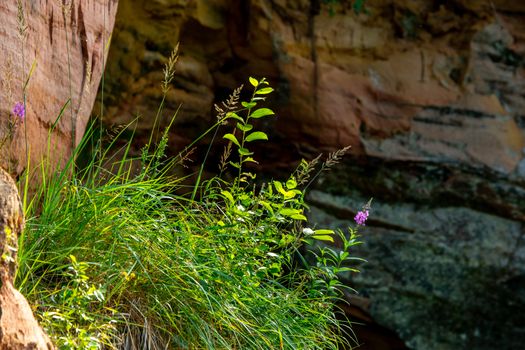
[[113, 257]]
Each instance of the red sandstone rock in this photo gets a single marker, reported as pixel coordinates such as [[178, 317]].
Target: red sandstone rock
[[18, 328], [65, 43], [406, 81]]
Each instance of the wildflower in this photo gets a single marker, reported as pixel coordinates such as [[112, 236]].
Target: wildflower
[[19, 111], [361, 217]]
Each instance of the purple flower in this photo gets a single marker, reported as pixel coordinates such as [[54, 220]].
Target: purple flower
[[361, 217], [19, 111]]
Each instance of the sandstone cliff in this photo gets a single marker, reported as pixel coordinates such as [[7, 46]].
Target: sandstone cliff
[[53, 54]]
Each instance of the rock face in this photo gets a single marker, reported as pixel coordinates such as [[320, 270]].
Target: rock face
[[430, 96], [53, 52], [444, 277], [18, 328]]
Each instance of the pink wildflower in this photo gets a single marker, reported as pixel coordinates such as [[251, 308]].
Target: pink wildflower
[[19, 111], [361, 217]]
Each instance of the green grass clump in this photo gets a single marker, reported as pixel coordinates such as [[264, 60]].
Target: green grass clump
[[113, 256]]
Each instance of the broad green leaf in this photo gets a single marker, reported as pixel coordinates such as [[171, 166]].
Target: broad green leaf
[[250, 159], [234, 116], [244, 151], [289, 211], [324, 232], [228, 195], [235, 165], [253, 81], [279, 187], [289, 194], [291, 184], [267, 206], [299, 217], [323, 238], [257, 135], [264, 91], [261, 112], [244, 127], [248, 104], [232, 138], [281, 190]]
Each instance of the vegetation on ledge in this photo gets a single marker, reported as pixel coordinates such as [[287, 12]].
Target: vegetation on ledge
[[114, 256]]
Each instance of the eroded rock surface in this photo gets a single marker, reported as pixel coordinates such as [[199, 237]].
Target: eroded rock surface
[[443, 277], [58, 48]]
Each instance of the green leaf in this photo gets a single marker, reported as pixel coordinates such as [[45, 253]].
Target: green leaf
[[257, 135], [250, 159], [299, 217], [289, 194], [244, 151], [229, 196], [235, 165], [253, 81], [264, 91], [281, 190], [286, 240], [261, 112], [343, 269], [324, 232], [244, 127], [323, 238], [279, 187], [290, 211], [248, 104], [291, 184], [267, 206], [234, 116], [232, 138]]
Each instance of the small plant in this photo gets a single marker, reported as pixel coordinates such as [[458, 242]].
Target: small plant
[[8, 133], [14, 121], [71, 314], [331, 263]]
